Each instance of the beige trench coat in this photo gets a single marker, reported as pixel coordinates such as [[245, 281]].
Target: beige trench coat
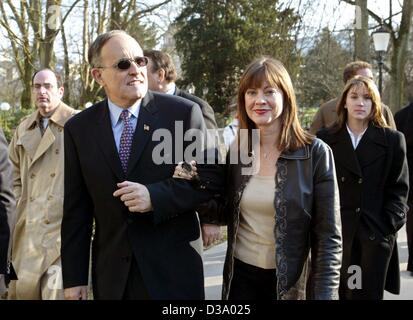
[[38, 186]]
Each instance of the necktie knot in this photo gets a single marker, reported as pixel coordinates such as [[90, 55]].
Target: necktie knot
[[124, 115], [42, 125]]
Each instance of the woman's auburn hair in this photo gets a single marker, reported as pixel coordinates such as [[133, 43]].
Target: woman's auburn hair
[[376, 114], [292, 135]]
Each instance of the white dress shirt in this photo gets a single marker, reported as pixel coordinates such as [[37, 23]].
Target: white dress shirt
[[355, 140]]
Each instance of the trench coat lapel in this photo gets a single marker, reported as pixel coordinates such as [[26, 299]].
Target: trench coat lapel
[[33, 142], [30, 141], [45, 143]]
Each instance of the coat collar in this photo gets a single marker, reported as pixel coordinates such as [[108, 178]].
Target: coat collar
[[62, 113], [300, 154], [31, 139], [372, 145], [340, 143]]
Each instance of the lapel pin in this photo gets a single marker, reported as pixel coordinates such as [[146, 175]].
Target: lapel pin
[[145, 127]]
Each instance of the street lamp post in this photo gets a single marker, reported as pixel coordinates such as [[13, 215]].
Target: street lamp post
[[381, 39]]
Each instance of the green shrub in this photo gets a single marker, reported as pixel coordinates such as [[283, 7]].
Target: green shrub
[[9, 120]]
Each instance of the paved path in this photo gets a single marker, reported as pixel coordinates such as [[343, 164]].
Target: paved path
[[214, 260]]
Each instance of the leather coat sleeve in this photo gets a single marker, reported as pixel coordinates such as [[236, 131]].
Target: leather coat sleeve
[[326, 240], [6, 202]]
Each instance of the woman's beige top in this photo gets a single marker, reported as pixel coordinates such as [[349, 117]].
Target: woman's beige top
[[255, 243]]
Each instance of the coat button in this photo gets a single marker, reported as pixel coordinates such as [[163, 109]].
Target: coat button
[[360, 181], [53, 175], [46, 221], [372, 237], [59, 129], [32, 176], [57, 151], [343, 179], [31, 199], [401, 214], [49, 198], [358, 210]]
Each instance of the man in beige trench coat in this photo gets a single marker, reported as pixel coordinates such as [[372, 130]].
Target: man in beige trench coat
[[36, 152]]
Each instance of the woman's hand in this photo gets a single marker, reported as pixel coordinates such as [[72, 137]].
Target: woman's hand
[[186, 171]]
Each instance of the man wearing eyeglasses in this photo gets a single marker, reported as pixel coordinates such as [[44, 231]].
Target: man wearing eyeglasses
[[36, 152], [144, 219]]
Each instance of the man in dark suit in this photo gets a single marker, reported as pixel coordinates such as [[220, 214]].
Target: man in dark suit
[[161, 78], [6, 208], [144, 219], [404, 123]]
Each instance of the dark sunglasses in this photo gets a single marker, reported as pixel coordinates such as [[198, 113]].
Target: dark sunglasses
[[125, 63]]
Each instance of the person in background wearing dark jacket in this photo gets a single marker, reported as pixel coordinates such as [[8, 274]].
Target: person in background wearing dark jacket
[[372, 172], [6, 208], [286, 206], [404, 122], [161, 78]]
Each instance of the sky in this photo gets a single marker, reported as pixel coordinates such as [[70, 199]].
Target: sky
[[336, 14]]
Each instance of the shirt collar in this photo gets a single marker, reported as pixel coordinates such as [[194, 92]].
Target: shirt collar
[[353, 135], [115, 111], [171, 88]]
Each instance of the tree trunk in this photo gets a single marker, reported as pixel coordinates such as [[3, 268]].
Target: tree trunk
[[26, 98], [51, 24], [361, 32], [85, 67], [67, 95], [399, 58]]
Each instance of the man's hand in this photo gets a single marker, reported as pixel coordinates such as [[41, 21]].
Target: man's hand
[[135, 196], [76, 293], [210, 233]]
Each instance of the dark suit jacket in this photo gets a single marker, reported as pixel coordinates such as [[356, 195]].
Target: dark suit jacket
[[207, 111], [159, 240], [373, 185], [6, 201], [404, 123]]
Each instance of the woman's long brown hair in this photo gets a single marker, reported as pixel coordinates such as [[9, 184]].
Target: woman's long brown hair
[[292, 135]]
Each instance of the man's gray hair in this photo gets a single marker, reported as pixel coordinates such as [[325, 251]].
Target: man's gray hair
[[97, 45]]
